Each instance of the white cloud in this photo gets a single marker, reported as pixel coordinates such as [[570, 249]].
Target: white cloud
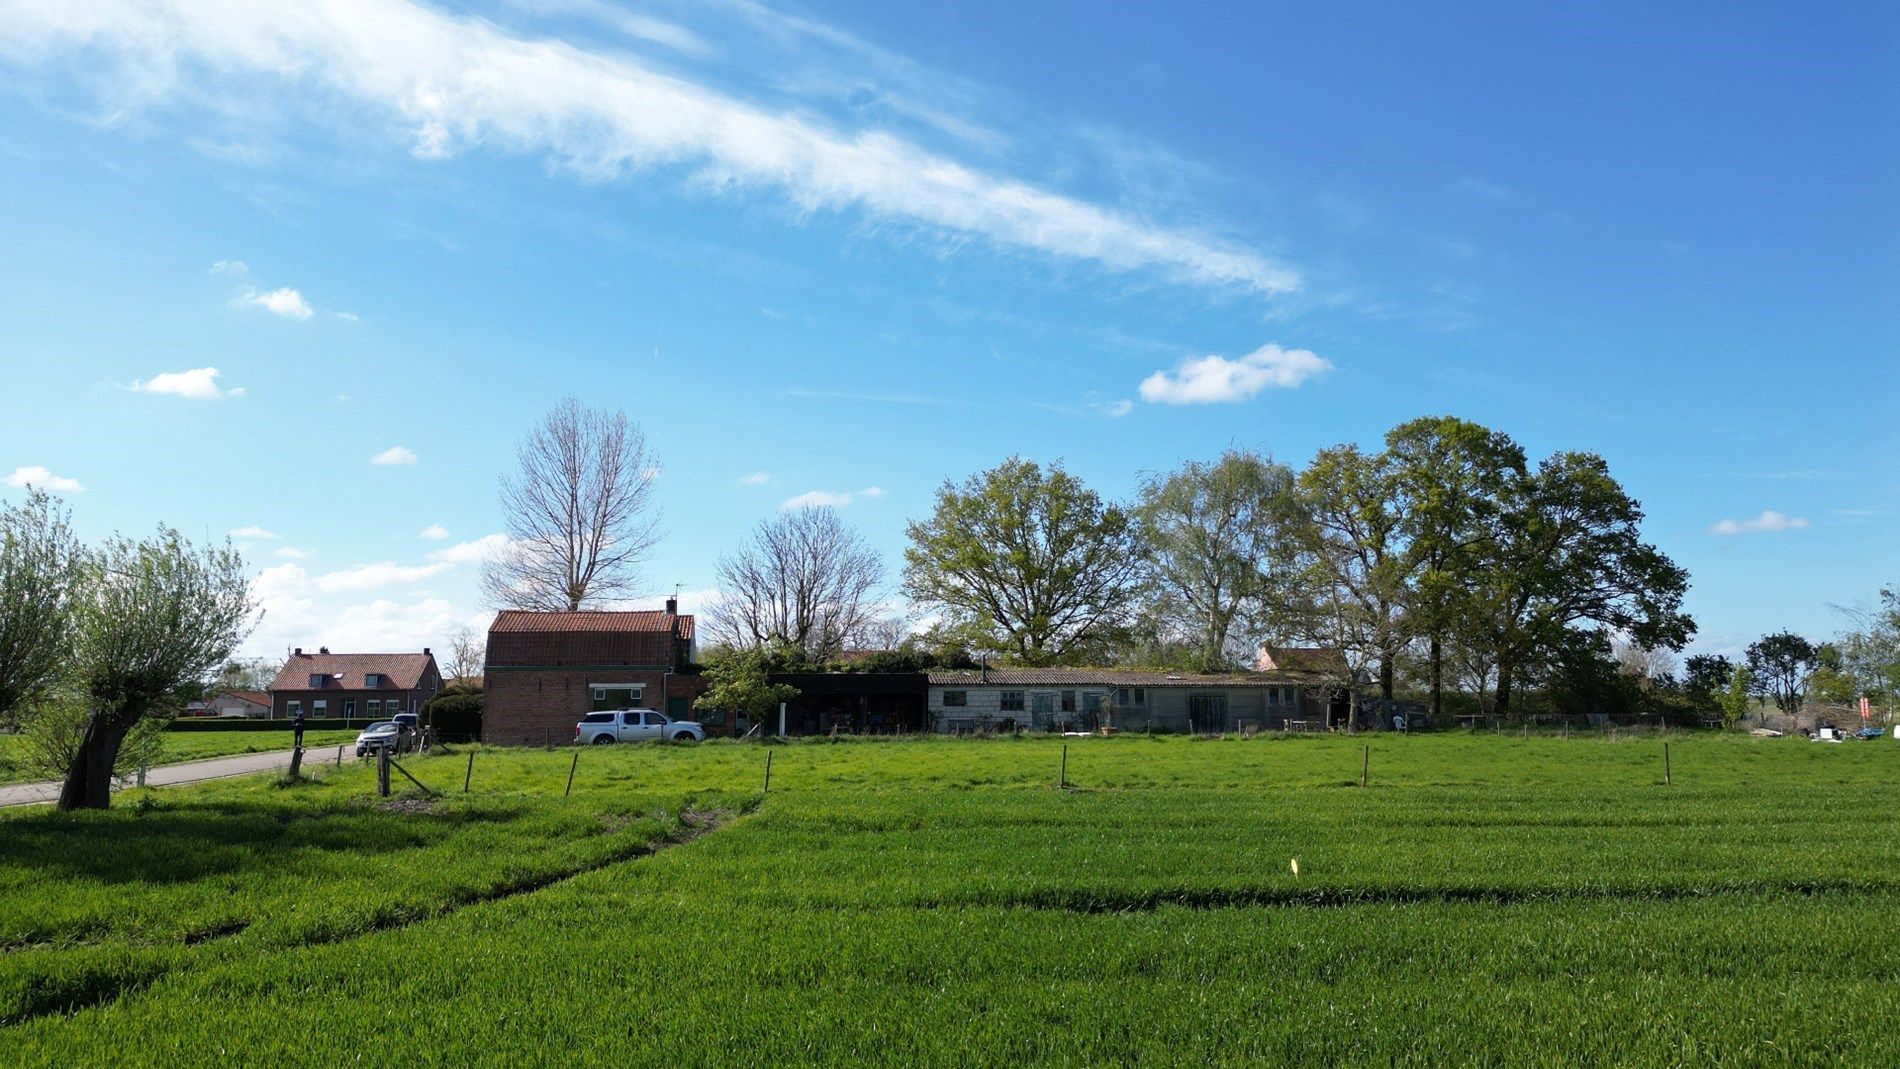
[[199, 384], [233, 268], [253, 531], [435, 532], [394, 455], [836, 499], [293, 553], [1113, 409], [454, 82], [377, 576], [37, 476], [1769, 520], [284, 301], [473, 552], [757, 478], [1206, 380], [297, 613]]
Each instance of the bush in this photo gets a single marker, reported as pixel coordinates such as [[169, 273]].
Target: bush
[[221, 724], [456, 712]]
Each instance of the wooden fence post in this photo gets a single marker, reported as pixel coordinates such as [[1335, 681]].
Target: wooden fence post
[[382, 771], [296, 762], [1365, 768], [469, 774], [768, 773], [1062, 778], [570, 774], [1668, 778]]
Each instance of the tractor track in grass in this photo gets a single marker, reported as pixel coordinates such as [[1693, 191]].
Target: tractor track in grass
[[99, 989]]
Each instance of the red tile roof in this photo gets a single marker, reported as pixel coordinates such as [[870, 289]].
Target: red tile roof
[[647, 621], [255, 697], [405, 670]]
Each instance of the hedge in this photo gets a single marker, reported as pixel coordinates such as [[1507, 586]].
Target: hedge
[[209, 723]]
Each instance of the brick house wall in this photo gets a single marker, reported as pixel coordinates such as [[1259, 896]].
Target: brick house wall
[[404, 682], [542, 668]]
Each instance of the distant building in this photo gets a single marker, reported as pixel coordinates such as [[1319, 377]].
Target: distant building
[[230, 704], [356, 686], [546, 670], [1062, 699]]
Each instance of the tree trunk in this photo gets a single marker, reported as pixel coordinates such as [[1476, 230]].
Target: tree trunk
[[1438, 678], [1388, 678], [1504, 688], [89, 781]]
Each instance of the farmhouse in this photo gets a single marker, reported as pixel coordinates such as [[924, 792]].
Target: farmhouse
[[250, 704], [322, 685], [1044, 699], [546, 670]]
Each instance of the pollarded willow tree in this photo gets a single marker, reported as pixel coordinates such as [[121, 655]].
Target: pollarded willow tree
[[806, 578], [39, 558], [580, 511], [1219, 544], [1028, 563], [152, 620]]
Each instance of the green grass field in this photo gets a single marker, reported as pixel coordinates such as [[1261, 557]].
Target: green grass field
[[1485, 900], [187, 746]]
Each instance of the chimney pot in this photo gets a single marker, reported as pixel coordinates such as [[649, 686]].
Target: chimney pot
[[323, 649], [425, 651], [298, 652], [672, 606]]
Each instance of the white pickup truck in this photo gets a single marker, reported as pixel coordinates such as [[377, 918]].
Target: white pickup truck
[[634, 725]]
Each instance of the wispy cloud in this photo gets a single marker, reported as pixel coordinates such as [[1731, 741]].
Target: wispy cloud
[[253, 531], [376, 576], [435, 532], [472, 552], [836, 499], [198, 384], [1206, 380], [283, 301], [393, 456], [293, 553], [453, 83], [1769, 520], [38, 477], [757, 478]]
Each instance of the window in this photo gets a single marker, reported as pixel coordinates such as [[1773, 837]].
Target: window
[[1091, 702], [1012, 700], [1273, 695], [372, 679], [293, 708], [956, 699], [319, 709], [618, 695], [598, 718], [1121, 696], [317, 680], [657, 720], [632, 720], [375, 708], [1068, 701], [1141, 696], [349, 707]]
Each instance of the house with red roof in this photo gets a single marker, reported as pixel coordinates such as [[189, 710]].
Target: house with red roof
[[354, 686], [546, 670]]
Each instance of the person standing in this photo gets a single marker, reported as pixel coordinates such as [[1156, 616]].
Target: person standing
[[296, 729]]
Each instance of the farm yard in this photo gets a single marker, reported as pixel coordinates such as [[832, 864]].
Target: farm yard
[[1484, 898]]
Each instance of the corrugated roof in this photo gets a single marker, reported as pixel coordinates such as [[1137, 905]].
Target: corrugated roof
[[1109, 677], [644, 621], [347, 669]]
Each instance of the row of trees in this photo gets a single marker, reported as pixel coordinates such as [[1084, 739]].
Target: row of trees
[[100, 643], [1446, 545]]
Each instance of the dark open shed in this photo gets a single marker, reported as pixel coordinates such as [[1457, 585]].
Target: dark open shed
[[861, 703]]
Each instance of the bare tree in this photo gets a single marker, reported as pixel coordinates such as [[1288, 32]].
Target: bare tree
[[581, 513], [467, 651], [38, 556], [804, 577]]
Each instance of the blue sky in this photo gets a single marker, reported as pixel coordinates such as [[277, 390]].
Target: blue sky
[[854, 249]]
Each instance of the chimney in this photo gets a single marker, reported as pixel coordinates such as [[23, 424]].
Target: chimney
[[425, 651], [323, 650], [672, 606], [298, 652]]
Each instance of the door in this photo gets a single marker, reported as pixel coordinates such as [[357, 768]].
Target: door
[[679, 708], [629, 728], [1207, 713], [1042, 710]]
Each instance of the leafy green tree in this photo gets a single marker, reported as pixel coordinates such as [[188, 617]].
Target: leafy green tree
[[39, 561], [455, 712], [1028, 563], [1355, 582], [153, 619], [1566, 550], [1217, 539], [1449, 475], [739, 684], [1704, 674], [1870, 653], [1779, 665], [1736, 696]]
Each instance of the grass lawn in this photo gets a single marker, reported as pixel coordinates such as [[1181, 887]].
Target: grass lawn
[[1486, 899], [189, 746]]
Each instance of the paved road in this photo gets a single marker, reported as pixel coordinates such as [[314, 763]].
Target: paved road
[[170, 775]]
